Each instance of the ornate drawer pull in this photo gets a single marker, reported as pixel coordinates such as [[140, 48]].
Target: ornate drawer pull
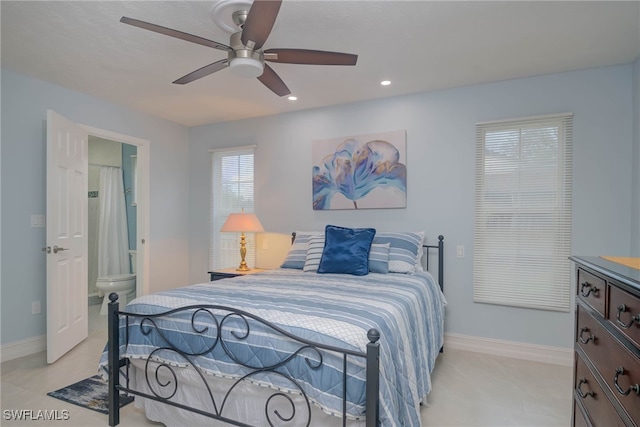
[[635, 387], [621, 309], [579, 389], [591, 336], [590, 289]]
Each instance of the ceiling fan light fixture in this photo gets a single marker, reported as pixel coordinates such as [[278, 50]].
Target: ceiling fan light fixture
[[222, 13], [246, 67], [253, 21]]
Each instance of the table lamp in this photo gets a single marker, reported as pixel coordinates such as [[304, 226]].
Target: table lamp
[[240, 223]]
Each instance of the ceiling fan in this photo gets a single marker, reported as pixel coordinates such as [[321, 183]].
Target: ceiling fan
[[244, 55]]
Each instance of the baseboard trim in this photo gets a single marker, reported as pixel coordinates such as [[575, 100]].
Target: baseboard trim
[[21, 348], [516, 350]]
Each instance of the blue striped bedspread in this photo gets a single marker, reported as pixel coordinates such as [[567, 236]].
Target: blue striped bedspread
[[333, 309]]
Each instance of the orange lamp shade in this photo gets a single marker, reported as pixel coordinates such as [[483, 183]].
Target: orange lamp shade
[[242, 222]]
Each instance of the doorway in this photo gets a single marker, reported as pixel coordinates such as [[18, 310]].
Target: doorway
[[139, 195], [110, 212]]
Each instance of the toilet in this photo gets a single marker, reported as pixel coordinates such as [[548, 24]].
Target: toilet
[[123, 284]]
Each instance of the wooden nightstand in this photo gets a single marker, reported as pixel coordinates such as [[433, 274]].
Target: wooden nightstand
[[231, 272]]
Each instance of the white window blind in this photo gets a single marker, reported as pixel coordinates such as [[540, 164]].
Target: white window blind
[[232, 190], [522, 223]]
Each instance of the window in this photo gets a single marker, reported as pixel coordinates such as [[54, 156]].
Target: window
[[232, 191], [522, 223]]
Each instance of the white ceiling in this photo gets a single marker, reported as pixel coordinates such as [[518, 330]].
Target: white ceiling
[[418, 45]]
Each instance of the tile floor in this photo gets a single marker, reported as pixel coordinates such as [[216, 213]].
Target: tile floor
[[469, 389]]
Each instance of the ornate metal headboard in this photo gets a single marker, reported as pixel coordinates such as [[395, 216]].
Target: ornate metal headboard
[[439, 247]]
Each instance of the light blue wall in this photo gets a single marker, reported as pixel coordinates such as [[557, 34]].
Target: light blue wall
[[24, 104], [635, 197], [440, 136], [441, 162]]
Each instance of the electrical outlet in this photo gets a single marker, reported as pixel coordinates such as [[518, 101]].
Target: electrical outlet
[[36, 308], [460, 251], [265, 243]]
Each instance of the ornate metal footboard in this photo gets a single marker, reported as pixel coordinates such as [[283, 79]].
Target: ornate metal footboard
[[163, 390], [162, 378]]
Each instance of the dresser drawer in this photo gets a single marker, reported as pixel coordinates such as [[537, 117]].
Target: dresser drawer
[[588, 392], [624, 313], [616, 365], [590, 335], [578, 417], [591, 289]]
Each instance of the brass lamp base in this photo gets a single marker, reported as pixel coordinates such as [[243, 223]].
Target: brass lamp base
[[243, 252]]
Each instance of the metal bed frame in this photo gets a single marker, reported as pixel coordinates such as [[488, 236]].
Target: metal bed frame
[[164, 390]]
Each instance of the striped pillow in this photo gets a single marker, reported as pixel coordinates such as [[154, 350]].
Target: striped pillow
[[404, 251], [298, 252], [378, 256], [314, 253]]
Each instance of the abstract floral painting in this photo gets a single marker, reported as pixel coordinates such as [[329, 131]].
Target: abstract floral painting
[[360, 172]]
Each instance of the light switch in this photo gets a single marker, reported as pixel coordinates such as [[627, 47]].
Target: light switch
[[265, 243], [460, 251], [37, 220]]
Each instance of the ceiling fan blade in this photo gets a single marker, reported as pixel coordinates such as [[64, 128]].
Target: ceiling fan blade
[[203, 72], [175, 33], [259, 22], [313, 57], [270, 79]]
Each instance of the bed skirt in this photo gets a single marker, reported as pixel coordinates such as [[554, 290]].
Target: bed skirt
[[246, 404]]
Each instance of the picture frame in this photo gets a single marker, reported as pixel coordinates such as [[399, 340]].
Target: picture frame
[[360, 172]]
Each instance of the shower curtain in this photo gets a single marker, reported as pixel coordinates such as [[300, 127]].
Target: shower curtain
[[113, 240]]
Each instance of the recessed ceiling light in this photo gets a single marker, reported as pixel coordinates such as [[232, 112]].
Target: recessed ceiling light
[[293, 98], [385, 82]]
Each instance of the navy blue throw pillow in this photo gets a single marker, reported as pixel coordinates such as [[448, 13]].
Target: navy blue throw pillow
[[346, 250]]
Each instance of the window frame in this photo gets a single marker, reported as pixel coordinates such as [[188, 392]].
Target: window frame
[[224, 248], [522, 238]]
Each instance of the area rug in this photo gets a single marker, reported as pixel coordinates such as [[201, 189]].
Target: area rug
[[91, 393]]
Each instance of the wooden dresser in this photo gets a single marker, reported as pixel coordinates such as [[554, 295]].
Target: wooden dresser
[[607, 344]]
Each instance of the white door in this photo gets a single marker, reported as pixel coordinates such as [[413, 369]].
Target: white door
[[67, 243]]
